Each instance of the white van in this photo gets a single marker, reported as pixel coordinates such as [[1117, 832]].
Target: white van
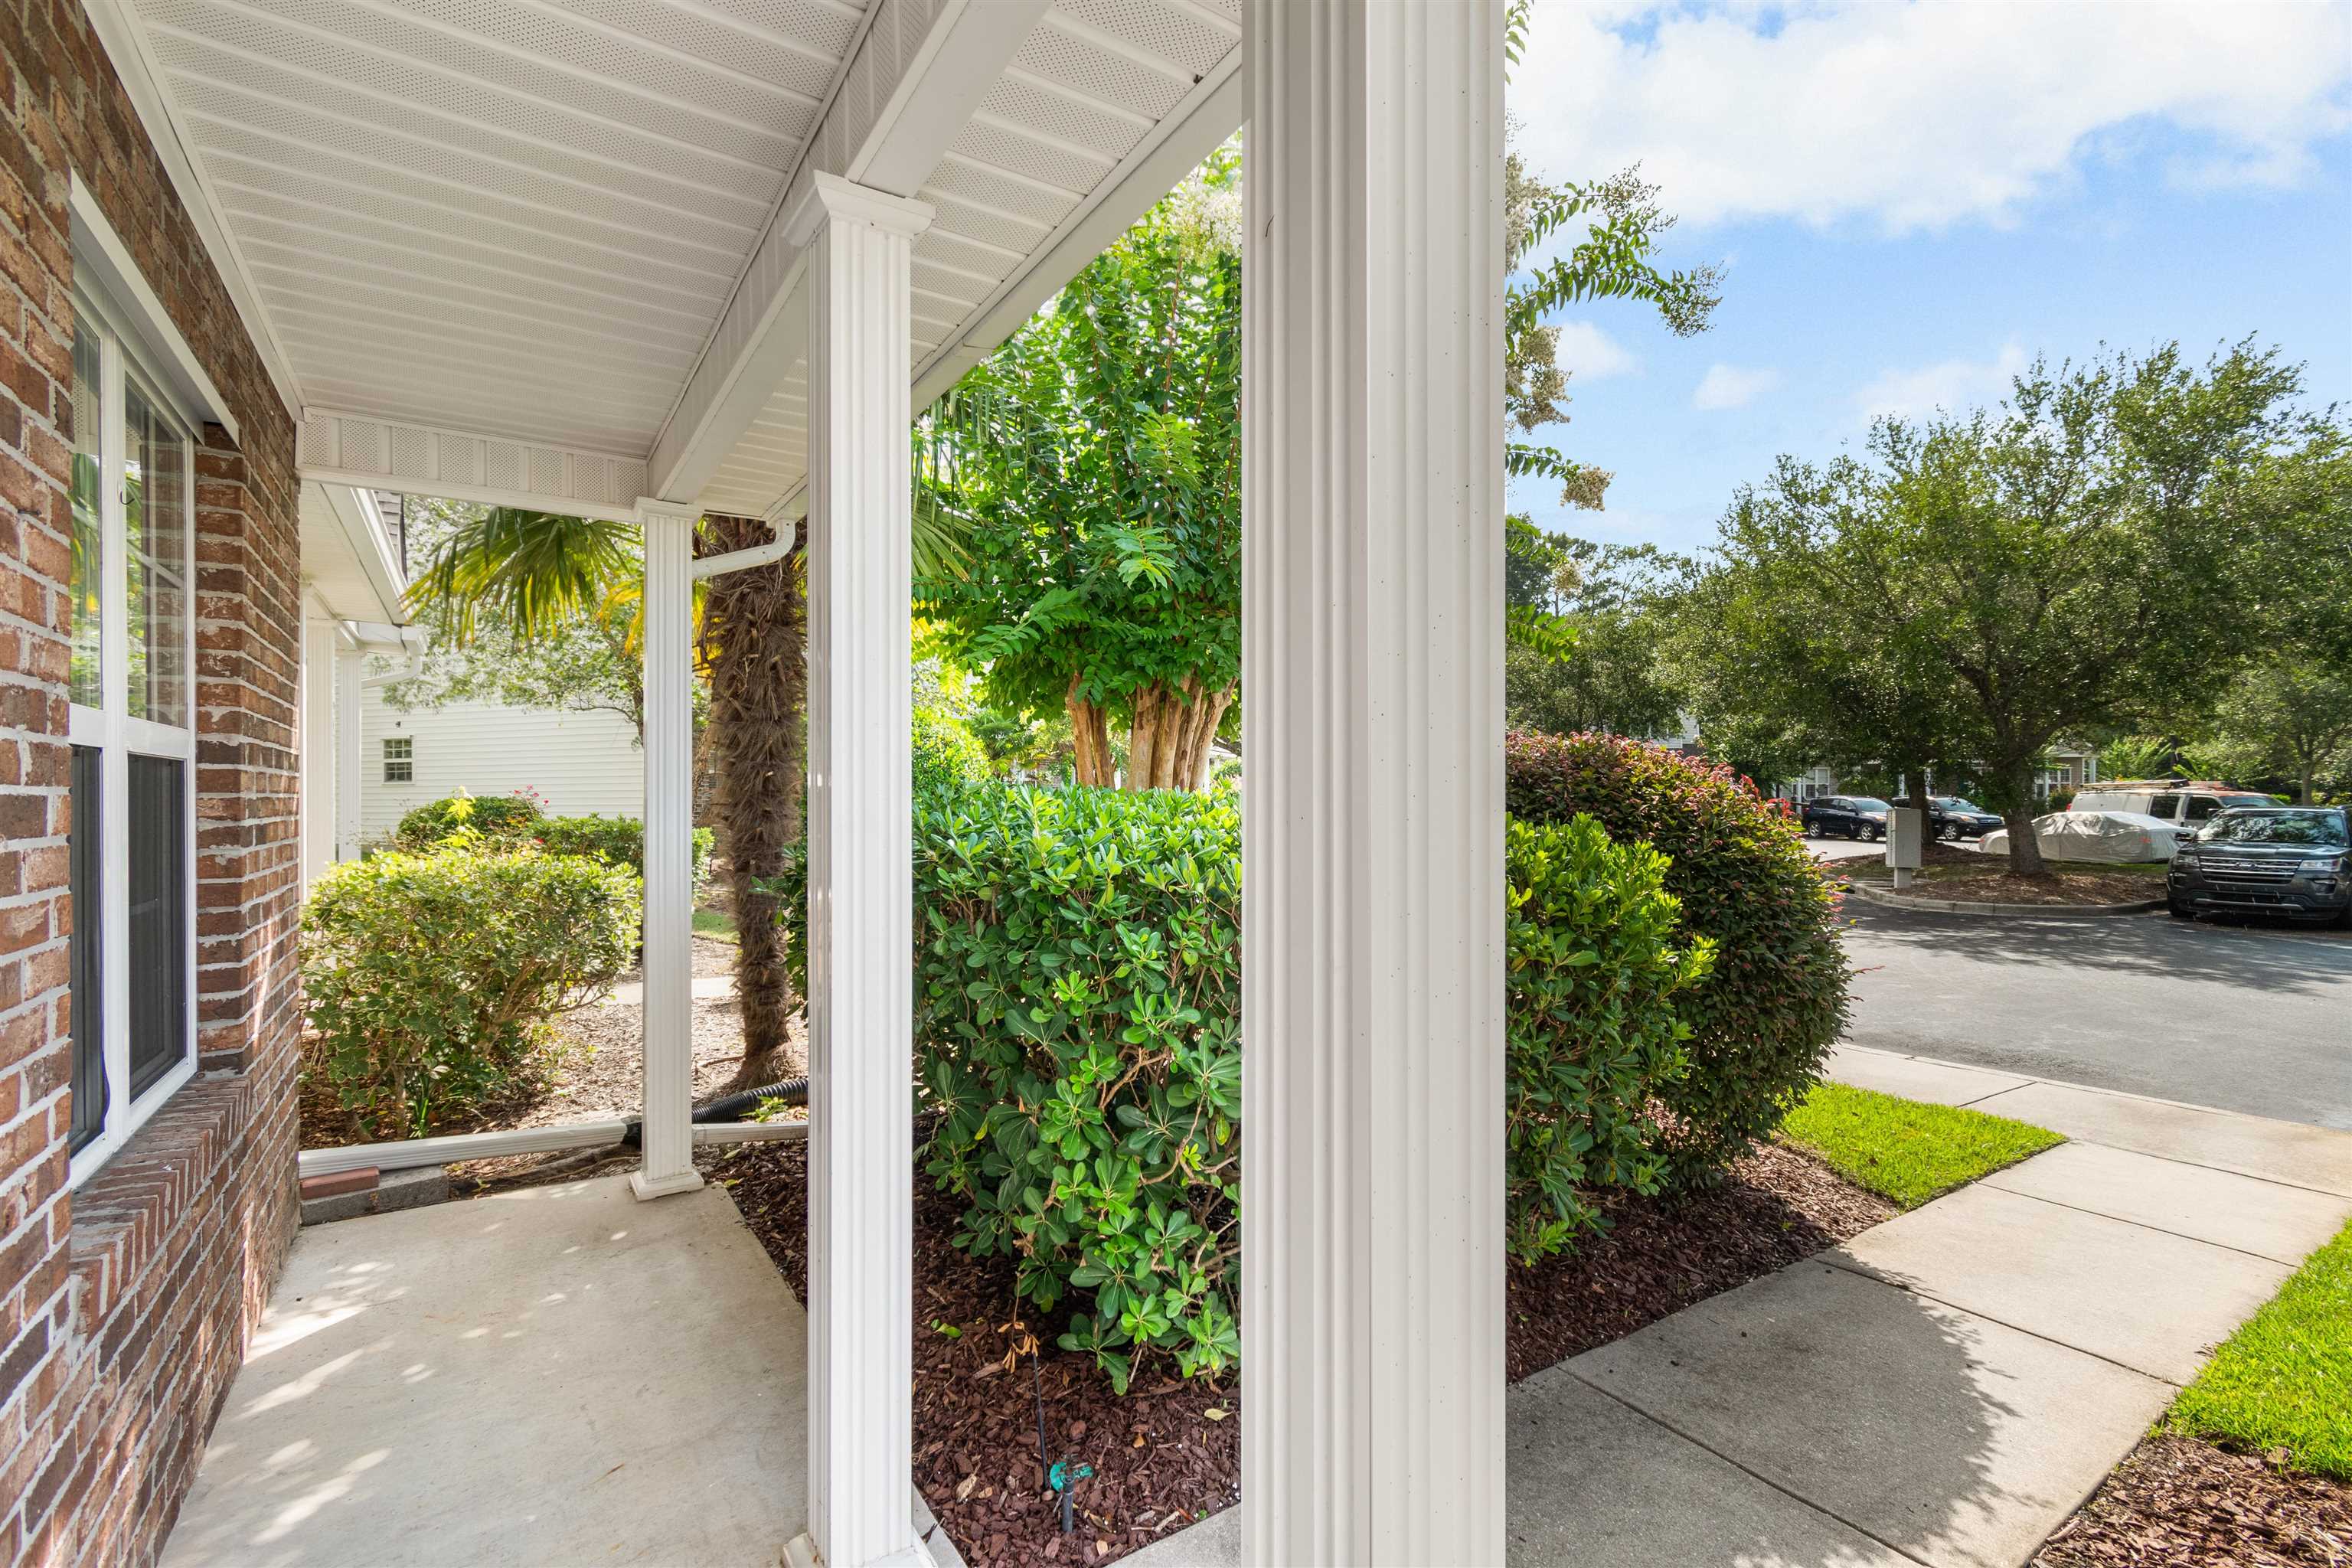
[[2188, 805]]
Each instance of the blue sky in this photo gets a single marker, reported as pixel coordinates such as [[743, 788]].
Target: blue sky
[[1913, 200]]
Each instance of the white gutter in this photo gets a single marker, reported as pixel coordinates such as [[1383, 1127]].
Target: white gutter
[[775, 550], [413, 641], [362, 527], [408, 1154]]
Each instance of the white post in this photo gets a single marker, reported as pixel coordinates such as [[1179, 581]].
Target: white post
[[351, 664], [861, 900], [318, 749], [1372, 822], [668, 1127]]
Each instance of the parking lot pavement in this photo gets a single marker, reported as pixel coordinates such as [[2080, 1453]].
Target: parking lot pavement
[[2254, 1018]]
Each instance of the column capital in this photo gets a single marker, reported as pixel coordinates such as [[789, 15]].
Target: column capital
[[831, 199], [651, 507]]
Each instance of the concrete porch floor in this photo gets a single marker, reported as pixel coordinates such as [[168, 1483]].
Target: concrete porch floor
[[556, 1376]]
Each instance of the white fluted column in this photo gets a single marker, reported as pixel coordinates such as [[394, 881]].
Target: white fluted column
[[861, 901], [350, 665], [1373, 820], [668, 1165]]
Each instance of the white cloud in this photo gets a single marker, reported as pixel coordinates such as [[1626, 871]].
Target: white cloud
[[1591, 354], [1728, 387], [1915, 116], [1952, 384]]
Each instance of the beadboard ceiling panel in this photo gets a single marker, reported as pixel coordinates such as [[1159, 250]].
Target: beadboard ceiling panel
[[538, 221]]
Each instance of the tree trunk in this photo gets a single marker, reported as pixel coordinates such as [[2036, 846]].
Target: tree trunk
[[754, 646], [1089, 740], [2024, 849], [1168, 746]]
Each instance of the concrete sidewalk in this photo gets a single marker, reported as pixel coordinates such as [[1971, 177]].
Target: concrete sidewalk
[[1945, 1389]]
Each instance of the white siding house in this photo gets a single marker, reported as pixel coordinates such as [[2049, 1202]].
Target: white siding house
[[580, 764]]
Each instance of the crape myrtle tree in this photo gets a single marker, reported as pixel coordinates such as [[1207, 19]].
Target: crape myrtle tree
[[1095, 463], [2083, 556]]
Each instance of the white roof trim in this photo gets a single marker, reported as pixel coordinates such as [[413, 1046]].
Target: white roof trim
[[125, 42], [371, 452], [103, 262]]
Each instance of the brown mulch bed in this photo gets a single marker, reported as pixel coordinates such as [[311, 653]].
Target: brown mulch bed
[[1966, 876], [2179, 1503], [1160, 1457]]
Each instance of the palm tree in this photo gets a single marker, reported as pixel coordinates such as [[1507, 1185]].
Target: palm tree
[[536, 570]]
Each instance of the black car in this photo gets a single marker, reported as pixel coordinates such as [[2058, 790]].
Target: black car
[[1846, 817], [2281, 860], [1949, 817]]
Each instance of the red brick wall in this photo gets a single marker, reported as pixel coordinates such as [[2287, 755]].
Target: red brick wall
[[124, 1306]]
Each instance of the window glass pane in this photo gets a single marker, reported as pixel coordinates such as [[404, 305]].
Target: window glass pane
[[83, 971], [155, 524], [84, 683], [159, 919], [399, 759]]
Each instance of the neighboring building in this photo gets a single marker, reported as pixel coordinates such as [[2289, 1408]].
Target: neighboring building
[[2070, 768], [577, 764]]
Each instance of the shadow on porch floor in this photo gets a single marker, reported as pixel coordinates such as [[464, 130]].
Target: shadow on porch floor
[[558, 1374]]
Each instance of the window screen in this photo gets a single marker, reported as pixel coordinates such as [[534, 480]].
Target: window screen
[[158, 875], [84, 975], [399, 759]]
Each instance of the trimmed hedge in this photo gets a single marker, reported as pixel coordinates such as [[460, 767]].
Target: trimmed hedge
[[1077, 1000], [1763, 1021], [431, 979], [1595, 957], [500, 822], [1077, 1003], [491, 815]]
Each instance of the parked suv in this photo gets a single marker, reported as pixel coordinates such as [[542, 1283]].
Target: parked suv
[[2270, 859], [1949, 817], [2183, 804], [1846, 817]]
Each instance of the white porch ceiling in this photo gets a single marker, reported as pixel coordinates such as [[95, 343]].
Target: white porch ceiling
[[552, 222]]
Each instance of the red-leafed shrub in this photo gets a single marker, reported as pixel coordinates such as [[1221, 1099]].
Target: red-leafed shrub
[[1762, 1023]]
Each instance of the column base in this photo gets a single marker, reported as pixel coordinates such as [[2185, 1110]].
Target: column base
[[685, 1181], [801, 1553]]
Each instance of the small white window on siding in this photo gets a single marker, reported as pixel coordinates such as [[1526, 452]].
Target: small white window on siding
[[399, 759]]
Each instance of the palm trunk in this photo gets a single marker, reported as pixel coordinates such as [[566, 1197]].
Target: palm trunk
[[2024, 849], [754, 644]]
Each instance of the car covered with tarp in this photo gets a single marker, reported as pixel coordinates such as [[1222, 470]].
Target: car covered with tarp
[[2114, 837]]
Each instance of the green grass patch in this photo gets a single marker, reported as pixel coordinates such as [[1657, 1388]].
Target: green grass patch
[[1905, 1150], [2285, 1379], [710, 922]]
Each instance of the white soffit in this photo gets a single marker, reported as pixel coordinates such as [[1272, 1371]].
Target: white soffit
[[524, 221], [519, 217], [1104, 108]]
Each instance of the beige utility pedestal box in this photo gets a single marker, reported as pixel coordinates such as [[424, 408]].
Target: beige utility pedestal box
[[1904, 835]]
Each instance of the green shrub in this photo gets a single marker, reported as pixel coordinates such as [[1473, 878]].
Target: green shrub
[[1078, 1005], [1595, 955], [492, 816], [1763, 1021], [945, 750], [614, 841], [431, 978]]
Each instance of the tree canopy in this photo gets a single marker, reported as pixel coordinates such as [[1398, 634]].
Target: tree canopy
[[1095, 462], [1983, 585]]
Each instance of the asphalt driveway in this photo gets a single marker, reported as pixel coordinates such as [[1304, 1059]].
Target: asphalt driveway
[[2244, 1017]]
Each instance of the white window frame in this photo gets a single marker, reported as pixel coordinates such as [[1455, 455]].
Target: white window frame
[[407, 758], [117, 736]]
